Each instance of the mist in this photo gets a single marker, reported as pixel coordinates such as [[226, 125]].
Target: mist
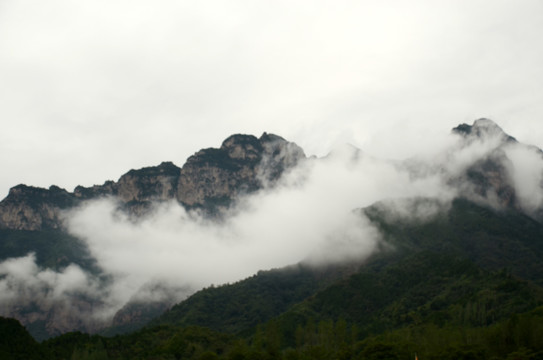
[[526, 171], [307, 216], [72, 297]]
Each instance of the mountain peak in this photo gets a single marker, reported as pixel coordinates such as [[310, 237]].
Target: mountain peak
[[483, 128], [242, 147]]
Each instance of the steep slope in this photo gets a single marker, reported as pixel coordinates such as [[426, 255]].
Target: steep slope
[[496, 169], [31, 208], [423, 288], [237, 308], [493, 239], [212, 178], [433, 294], [470, 248]]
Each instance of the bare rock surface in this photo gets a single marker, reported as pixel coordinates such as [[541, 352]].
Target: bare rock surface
[[210, 180]]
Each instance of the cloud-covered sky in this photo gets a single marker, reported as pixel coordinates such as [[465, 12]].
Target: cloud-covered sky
[[89, 90]]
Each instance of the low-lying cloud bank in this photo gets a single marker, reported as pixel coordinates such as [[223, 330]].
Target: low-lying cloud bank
[[308, 216], [23, 280], [71, 298]]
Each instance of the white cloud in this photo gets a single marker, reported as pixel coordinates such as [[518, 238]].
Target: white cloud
[[92, 89], [526, 169], [306, 217], [46, 293]]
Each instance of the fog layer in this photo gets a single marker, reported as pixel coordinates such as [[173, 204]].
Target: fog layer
[[308, 216]]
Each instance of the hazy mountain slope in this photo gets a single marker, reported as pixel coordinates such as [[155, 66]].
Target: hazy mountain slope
[[493, 239], [433, 290], [213, 204], [424, 288], [32, 227], [238, 307], [433, 293], [470, 248], [54, 249]]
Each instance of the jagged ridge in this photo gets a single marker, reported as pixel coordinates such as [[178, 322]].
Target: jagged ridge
[[213, 178], [210, 180]]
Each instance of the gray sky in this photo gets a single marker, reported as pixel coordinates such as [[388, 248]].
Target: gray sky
[[91, 89]]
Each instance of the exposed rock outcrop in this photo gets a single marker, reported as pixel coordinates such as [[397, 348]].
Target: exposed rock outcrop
[[32, 208], [156, 183], [483, 129], [210, 180]]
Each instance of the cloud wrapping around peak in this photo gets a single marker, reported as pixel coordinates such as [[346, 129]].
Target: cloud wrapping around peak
[[526, 170], [306, 216], [69, 299], [22, 276]]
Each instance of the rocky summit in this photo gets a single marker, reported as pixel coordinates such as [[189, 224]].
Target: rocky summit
[[210, 180], [213, 178], [32, 208]]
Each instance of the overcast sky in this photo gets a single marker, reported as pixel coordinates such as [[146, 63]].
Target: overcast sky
[[91, 89]]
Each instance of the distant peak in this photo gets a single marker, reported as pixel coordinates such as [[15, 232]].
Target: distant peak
[[487, 125], [483, 129], [240, 140]]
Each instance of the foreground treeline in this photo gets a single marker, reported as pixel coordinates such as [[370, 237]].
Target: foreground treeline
[[519, 337]]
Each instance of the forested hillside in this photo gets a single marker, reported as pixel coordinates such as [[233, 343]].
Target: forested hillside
[[450, 288]]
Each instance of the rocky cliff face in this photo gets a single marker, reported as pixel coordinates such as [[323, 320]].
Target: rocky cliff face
[[213, 178], [210, 180], [31, 208], [483, 129]]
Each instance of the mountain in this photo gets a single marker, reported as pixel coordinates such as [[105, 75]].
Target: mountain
[[475, 246], [210, 179], [32, 222], [496, 174], [470, 256]]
